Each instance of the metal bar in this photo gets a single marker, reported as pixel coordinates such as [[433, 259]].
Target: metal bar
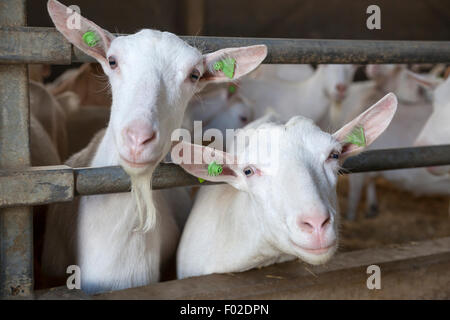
[[114, 179], [21, 48], [43, 45], [16, 224], [402, 158], [103, 180], [36, 186]]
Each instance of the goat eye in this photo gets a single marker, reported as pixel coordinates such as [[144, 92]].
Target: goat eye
[[243, 118], [248, 171], [112, 62], [195, 75], [334, 155]]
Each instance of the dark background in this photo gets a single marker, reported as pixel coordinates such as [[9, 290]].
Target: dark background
[[338, 19], [325, 19]]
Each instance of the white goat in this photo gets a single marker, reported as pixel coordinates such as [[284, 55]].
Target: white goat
[[437, 128], [284, 72], [276, 212], [219, 108], [383, 78], [122, 240], [43, 151], [414, 108], [51, 115], [311, 98]]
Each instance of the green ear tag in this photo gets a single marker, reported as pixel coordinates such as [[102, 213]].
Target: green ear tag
[[214, 169], [231, 88], [201, 180], [226, 66], [90, 38], [356, 137]]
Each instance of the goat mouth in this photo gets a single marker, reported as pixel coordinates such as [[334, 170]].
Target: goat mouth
[[316, 251], [133, 164]]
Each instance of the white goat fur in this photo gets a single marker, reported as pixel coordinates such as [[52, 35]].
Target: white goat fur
[[310, 98]]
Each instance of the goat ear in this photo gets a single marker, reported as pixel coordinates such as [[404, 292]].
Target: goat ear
[[238, 62], [195, 159], [73, 26], [425, 82], [367, 126]]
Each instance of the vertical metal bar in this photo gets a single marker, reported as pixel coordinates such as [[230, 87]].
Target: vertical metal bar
[[16, 224]]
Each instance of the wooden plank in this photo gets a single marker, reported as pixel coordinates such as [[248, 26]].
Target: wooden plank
[[411, 271], [60, 293]]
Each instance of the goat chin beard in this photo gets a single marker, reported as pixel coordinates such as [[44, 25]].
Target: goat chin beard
[[141, 190]]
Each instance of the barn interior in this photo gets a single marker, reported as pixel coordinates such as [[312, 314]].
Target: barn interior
[[401, 217], [404, 217]]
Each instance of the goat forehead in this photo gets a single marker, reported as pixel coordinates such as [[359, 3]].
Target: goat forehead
[[157, 48], [304, 133], [299, 140]]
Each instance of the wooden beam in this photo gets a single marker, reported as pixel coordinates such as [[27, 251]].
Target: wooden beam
[[411, 271], [193, 17]]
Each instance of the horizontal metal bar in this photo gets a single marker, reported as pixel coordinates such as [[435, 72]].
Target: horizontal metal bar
[[402, 158], [34, 45], [35, 186], [46, 45], [42, 185]]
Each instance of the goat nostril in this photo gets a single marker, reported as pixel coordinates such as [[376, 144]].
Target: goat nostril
[[306, 226], [325, 223], [151, 137], [314, 224]]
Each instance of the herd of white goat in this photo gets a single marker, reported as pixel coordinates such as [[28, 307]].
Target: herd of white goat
[[155, 83]]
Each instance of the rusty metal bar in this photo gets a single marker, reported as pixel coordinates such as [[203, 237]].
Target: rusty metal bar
[[43, 45], [61, 183], [36, 186], [16, 224], [46, 45]]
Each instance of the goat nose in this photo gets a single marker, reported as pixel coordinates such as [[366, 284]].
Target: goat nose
[[139, 134], [341, 88], [315, 223]]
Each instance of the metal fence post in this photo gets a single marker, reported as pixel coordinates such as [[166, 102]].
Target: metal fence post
[[16, 224]]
